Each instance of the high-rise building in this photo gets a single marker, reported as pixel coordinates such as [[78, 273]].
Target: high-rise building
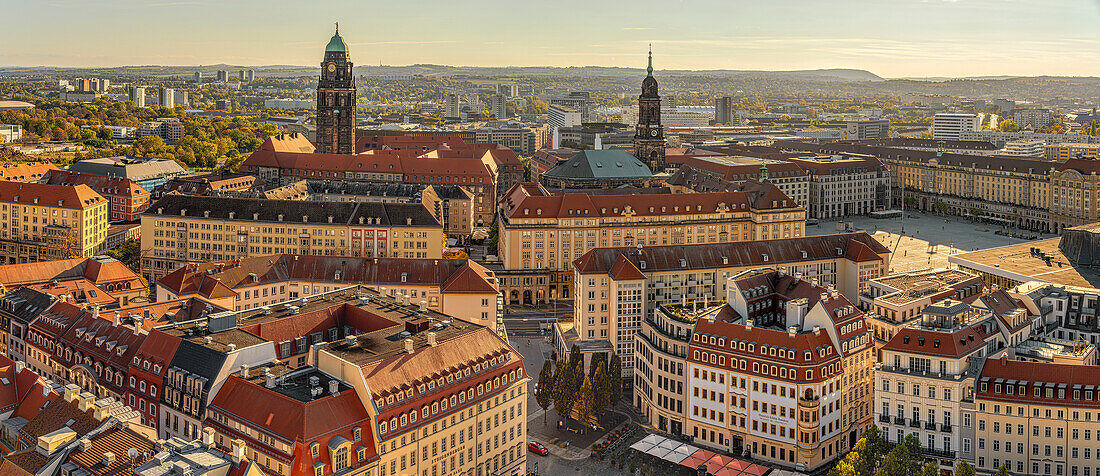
[[499, 106], [649, 135], [577, 100], [508, 90], [250, 76], [867, 129], [950, 126], [1032, 118], [558, 117], [452, 104], [137, 95], [198, 77], [723, 111], [167, 97], [181, 98], [336, 100]]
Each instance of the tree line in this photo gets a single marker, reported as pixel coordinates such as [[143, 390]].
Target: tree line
[[872, 455], [576, 394]]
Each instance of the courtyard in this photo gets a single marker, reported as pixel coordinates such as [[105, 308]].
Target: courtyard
[[922, 240]]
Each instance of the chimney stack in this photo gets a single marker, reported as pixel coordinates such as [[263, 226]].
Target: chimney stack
[[409, 345], [431, 339], [102, 410], [817, 330], [748, 324], [208, 437], [333, 387], [792, 331], [238, 451], [71, 392], [84, 401], [269, 379], [244, 371], [108, 458]]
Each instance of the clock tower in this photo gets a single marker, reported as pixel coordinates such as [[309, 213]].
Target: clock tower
[[649, 136], [336, 100]]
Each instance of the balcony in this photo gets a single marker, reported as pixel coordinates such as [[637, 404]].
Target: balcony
[[930, 426], [886, 418], [899, 420], [946, 428], [914, 423], [945, 454]]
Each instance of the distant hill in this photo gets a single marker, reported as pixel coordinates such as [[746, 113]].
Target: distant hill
[[837, 74]]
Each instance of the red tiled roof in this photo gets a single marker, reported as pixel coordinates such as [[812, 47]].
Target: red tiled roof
[[584, 205], [452, 275], [78, 197], [957, 344], [111, 271], [1083, 166], [292, 419], [102, 184], [1042, 374], [623, 269], [26, 172]]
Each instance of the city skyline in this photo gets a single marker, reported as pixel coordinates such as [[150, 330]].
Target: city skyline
[[892, 38]]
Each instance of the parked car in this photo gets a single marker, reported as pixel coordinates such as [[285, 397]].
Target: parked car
[[537, 448]]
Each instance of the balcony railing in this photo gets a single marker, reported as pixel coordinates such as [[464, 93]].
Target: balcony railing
[[930, 426], [885, 418], [945, 428], [946, 454], [914, 423], [899, 420]]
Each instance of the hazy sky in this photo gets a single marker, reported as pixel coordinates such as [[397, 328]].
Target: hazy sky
[[893, 38]]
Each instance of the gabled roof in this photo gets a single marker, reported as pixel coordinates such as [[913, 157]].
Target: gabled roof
[[98, 269], [623, 269], [78, 197]]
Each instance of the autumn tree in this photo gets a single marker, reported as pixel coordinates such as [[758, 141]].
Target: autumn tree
[[1008, 125]]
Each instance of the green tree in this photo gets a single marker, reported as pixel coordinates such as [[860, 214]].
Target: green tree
[[904, 459], [1002, 471], [1008, 125], [930, 469], [615, 380], [545, 391], [873, 449], [600, 389], [962, 468]]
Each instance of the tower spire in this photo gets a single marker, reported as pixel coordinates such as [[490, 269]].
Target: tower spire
[[649, 70], [337, 28]]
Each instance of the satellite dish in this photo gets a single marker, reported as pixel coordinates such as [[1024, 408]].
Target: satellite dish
[[132, 453]]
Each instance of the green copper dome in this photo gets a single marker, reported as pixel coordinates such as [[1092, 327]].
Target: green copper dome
[[337, 44]]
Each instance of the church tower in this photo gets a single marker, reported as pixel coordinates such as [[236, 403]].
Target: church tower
[[336, 100], [649, 136]]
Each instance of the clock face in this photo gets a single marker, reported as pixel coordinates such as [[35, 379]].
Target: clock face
[[331, 67], [653, 133]]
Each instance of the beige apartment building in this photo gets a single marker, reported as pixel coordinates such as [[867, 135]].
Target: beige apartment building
[[617, 287], [1066, 151], [40, 222], [1075, 194], [541, 234], [443, 400], [180, 229], [779, 371], [1000, 190], [456, 287], [1037, 418]]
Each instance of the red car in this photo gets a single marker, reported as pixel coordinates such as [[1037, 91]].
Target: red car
[[537, 448]]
